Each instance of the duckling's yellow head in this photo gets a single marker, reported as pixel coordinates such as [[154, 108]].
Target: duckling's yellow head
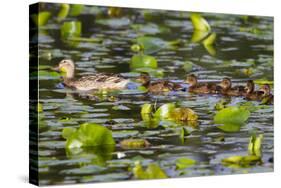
[[225, 83], [67, 67], [191, 79]]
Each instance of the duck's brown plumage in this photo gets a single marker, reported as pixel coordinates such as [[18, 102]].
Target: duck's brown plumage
[[228, 90], [91, 82], [203, 88], [158, 86]]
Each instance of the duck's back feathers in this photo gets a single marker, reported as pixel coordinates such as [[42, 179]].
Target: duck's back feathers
[[99, 81]]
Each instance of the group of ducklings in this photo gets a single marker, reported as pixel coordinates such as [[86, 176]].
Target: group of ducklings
[[225, 88], [100, 81]]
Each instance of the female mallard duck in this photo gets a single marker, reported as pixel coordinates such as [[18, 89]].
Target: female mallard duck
[[250, 92], [227, 88], [203, 88], [267, 97], [98, 81], [157, 86]]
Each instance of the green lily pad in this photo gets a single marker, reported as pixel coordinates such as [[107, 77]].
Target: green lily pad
[[42, 18], [89, 134], [153, 171], [199, 23], [184, 162], [151, 44], [71, 29], [76, 10], [241, 161], [64, 10], [143, 61], [232, 115], [254, 147], [67, 132], [164, 111]]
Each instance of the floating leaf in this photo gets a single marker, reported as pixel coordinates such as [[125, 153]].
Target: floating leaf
[[42, 18], [89, 134], [183, 133], [199, 23], [184, 162], [143, 61], [151, 44], [70, 29], [153, 171], [241, 161], [232, 118], [232, 115], [146, 111], [208, 43], [64, 9], [184, 114], [134, 143], [254, 147], [76, 10], [67, 132], [210, 40], [164, 111], [221, 104], [198, 35], [159, 73]]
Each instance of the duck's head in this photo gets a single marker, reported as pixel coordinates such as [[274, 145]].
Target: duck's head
[[67, 67], [265, 89], [225, 83], [191, 80], [250, 86], [144, 78]]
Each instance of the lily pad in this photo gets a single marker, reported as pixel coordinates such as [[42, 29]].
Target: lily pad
[[71, 29], [143, 61], [151, 44], [241, 161], [134, 143], [199, 23], [42, 18], [184, 162], [89, 134], [153, 171], [254, 147], [64, 10], [76, 10], [232, 115], [164, 111]]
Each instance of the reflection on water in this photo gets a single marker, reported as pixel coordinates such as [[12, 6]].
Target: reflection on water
[[241, 53]]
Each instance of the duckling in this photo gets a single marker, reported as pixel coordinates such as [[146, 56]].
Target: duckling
[[231, 91], [267, 97], [98, 81], [157, 86], [203, 88], [250, 92]]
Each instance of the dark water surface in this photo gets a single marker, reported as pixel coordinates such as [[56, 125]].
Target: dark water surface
[[241, 45]]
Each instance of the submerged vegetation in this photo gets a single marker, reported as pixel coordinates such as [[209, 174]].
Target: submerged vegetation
[[133, 133]]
